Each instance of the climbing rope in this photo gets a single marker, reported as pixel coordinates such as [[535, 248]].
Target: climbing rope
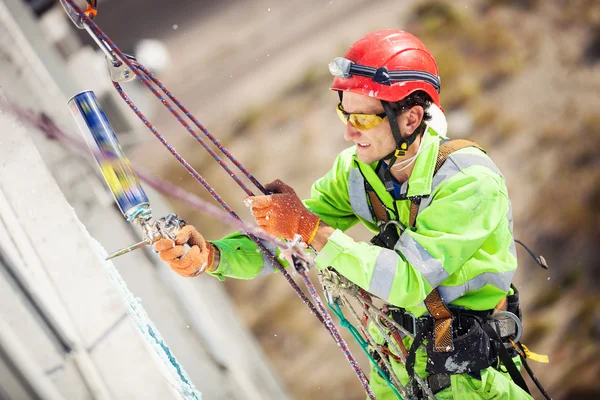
[[390, 378], [364, 345], [117, 57], [338, 291]]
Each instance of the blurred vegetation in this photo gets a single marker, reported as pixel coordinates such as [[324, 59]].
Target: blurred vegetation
[[473, 54], [577, 12]]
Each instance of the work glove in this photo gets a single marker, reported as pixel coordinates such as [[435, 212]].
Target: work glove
[[282, 213], [197, 259]]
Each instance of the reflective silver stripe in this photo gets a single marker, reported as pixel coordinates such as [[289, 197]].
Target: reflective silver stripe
[[358, 195], [501, 280], [453, 165], [267, 267], [431, 268], [384, 272]]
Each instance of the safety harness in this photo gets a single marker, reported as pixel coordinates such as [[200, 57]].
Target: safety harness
[[458, 340]]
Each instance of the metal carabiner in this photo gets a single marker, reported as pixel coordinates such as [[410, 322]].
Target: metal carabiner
[[74, 16], [119, 70], [331, 286]]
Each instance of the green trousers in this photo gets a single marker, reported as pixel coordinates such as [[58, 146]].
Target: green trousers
[[494, 385]]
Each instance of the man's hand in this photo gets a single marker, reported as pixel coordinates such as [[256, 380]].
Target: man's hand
[[282, 213], [199, 258]]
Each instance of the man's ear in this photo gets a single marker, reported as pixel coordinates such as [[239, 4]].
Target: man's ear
[[410, 120]]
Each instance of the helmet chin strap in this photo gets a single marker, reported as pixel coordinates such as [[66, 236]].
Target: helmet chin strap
[[402, 144]]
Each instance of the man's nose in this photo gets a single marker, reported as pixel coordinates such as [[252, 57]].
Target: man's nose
[[351, 133]]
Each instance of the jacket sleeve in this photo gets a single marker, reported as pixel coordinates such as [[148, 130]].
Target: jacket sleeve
[[464, 212], [240, 258]]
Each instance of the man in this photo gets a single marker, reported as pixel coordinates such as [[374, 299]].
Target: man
[[452, 245]]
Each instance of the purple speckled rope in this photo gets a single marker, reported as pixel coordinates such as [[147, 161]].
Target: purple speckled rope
[[191, 130], [330, 324], [174, 152], [213, 193], [323, 317], [203, 129]]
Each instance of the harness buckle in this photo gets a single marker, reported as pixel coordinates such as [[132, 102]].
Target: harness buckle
[[405, 319], [413, 320], [388, 235], [383, 227], [500, 319]]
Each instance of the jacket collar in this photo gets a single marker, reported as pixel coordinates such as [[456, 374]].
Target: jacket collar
[[420, 180]]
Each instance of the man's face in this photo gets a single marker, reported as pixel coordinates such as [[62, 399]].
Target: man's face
[[372, 144]]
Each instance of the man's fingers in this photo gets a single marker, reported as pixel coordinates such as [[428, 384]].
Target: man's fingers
[[262, 222], [261, 212], [274, 186], [184, 234], [164, 244], [171, 254], [192, 264], [270, 227], [187, 272], [196, 239], [278, 186], [188, 260], [258, 201]]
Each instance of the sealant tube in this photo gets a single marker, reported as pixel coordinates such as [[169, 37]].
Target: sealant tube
[[114, 165]]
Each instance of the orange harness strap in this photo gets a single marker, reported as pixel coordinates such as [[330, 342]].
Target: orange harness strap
[[436, 307]]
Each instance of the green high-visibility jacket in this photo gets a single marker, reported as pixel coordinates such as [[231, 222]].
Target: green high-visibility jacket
[[462, 241]]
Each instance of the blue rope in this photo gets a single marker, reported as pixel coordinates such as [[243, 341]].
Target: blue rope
[[364, 345]]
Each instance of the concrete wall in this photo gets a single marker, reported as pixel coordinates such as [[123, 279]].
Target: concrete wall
[[50, 198]]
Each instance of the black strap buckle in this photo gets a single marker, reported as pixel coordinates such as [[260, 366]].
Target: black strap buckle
[[388, 234], [405, 320]]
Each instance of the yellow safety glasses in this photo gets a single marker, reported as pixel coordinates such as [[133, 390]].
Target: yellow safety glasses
[[360, 121]]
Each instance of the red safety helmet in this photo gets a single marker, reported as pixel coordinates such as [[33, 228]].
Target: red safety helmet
[[387, 65]]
